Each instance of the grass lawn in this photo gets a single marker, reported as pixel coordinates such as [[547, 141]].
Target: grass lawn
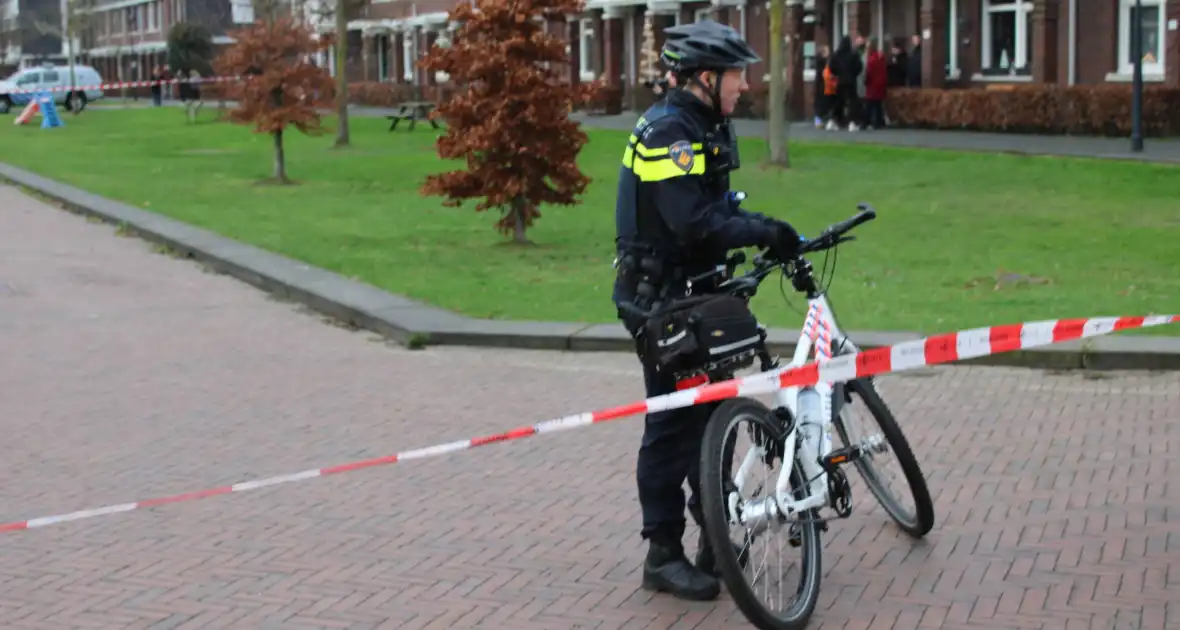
[[962, 239]]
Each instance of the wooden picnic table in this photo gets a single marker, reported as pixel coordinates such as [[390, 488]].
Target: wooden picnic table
[[412, 111]]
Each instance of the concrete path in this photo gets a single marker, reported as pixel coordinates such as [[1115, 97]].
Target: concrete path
[[125, 374], [1155, 150]]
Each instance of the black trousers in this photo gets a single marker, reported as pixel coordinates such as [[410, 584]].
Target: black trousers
[[846, 106], [875, 113], [669, 454]]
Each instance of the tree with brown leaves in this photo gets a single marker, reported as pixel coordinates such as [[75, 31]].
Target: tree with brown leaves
[[511, 119], [282, 87]]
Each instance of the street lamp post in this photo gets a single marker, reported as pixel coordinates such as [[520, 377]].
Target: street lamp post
[[1137, 79]]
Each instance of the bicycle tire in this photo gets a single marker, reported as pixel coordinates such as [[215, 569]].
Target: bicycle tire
[[716, 459], [922, 521]]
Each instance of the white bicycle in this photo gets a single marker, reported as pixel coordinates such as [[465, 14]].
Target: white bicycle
[[796, 439]]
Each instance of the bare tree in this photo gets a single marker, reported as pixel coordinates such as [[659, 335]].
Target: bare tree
[[9, 29], [74, 30], [339, 11], [777, 100]]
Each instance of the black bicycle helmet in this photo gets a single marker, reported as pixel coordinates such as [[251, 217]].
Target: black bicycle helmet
[[705, 45]]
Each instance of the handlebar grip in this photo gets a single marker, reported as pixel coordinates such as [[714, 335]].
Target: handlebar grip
[[866, 214]]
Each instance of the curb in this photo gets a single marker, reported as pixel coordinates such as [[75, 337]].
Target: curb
[[415, 324]]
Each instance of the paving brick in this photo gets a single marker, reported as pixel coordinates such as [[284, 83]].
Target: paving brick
[[128, 375]]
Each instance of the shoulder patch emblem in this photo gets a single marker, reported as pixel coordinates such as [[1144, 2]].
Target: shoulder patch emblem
[[681, 154]]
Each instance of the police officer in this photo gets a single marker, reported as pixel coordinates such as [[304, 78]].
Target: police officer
[[676, 218]]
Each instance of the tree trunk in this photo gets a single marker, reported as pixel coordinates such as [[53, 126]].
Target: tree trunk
[[342, 135], [518, 229], [280, 159], [73, 72], [119, 74], [776, 114]]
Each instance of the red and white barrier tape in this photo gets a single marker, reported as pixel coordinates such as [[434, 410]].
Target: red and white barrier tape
[[125, 84], [934, 350]]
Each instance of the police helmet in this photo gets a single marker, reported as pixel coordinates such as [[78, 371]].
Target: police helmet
[[705, 45]]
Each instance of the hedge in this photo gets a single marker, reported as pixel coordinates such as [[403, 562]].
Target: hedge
[[1045, 109], [380, 94], [1083, 110], [1093, 110]]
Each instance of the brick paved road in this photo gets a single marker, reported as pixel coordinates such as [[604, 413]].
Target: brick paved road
[[124, 374]]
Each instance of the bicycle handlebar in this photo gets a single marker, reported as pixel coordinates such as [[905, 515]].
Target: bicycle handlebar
[[830, 237], [764, 263]]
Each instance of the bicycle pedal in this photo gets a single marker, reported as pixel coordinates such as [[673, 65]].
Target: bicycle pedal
[[839, 457]]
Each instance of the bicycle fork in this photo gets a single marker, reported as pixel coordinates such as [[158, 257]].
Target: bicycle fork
[[811, 439]]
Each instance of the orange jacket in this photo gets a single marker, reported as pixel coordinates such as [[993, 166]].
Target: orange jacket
[[829, 82]]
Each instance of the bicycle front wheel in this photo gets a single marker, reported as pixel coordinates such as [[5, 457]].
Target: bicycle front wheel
[[916, 521], [732, 423]]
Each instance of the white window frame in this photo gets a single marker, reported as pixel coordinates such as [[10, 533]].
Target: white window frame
[[1124, 67], [383, 57], [586, 50], [952, 27], [243, 11], [1023, 13], [839, 22], [409, 52], [154, 17], [631, 47], [701, 15]]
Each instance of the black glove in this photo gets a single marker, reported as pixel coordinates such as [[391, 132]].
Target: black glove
[[784, 242]]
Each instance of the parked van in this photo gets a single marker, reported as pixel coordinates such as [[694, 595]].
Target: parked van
[[55, 78]]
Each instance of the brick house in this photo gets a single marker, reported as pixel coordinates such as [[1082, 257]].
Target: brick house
[[24, 39], [130, 37], [970, 42]]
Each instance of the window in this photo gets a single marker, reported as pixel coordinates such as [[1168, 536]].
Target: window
[[382, 43], [154, 16], [408, 54], [952, 39], [1007, 38], [839, 22], [586, 50], [1151, 28], [29, 79], [50, 77], [810, 50], [129, 16], [703, 14], [243, 11]]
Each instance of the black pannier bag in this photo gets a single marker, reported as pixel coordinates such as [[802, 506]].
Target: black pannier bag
[[708, 333]]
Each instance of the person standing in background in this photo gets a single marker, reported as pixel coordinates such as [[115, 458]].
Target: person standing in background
[[898, 64], [157, 89], [821, 102], [914, 74], [876, 80], [846, 65]]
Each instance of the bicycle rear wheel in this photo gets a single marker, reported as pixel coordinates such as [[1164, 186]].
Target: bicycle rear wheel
[[717, 465], [919, 520]]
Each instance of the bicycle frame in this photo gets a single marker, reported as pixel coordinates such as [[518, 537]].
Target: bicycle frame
[[822, 334]]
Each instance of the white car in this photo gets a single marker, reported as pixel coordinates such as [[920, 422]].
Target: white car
[[53, 78]]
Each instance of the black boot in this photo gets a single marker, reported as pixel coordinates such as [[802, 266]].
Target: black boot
[[708, 564], [666, 569]]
